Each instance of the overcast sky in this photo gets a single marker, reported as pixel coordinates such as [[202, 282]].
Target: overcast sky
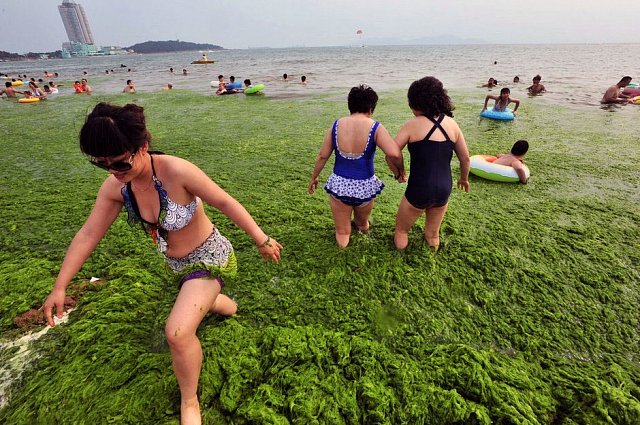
[[35, 25]]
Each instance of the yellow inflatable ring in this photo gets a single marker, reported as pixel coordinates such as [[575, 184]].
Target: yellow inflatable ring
[[29, 100], [483, 166], [17, 83]]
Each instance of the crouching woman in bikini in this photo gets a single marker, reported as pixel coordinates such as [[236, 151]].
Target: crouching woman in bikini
[[431, 136], [164, 195]]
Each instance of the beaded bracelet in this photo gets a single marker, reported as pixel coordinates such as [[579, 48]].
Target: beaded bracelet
[[267, 242]]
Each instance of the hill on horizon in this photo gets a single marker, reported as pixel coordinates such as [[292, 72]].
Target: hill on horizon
[[171, 46]]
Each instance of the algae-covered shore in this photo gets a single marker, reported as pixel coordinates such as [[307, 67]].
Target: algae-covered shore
[[528, 314]]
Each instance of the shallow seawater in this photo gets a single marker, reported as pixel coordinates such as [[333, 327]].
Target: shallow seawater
[[574, 74]]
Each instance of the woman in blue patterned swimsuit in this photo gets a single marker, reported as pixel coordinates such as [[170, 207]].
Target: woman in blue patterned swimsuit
[[353, 185], [164, 195], [431, 136]]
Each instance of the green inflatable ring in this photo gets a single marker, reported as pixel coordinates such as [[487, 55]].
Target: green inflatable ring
[[254, 89]]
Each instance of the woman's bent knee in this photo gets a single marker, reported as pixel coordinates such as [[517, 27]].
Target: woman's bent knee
[[177, 337]]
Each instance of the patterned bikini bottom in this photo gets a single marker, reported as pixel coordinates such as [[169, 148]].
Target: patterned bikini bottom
[[214, 258]]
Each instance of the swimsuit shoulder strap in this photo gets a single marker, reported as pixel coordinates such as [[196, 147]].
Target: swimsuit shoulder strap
[[437, 125], [372, 132], [334, 134], [134, 206], [158, 185], [153, 168]]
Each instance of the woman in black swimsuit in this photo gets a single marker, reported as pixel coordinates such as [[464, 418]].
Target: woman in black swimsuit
[[432, 136]]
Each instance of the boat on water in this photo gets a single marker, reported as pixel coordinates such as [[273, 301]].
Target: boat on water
[[203, 60]]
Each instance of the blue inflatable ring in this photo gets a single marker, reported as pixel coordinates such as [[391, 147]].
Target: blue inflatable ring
[[506, 115], [235, 85]]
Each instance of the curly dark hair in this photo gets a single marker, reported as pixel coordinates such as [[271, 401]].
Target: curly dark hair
[[428, 96], [111, 130], [362, 99]]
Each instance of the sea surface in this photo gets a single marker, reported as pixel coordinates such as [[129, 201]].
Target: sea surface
[[574, 74]]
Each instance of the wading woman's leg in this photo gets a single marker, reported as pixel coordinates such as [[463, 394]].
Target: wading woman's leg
[[361, 215], [433, 220], [406, 217], [195, 299], [342, 219]]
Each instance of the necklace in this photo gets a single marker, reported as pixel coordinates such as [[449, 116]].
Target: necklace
[[145, 188], [151, 183]]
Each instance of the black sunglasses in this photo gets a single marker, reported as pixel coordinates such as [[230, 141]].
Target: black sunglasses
[[115, 166]]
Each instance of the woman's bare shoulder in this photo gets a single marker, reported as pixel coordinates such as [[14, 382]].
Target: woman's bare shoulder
[[111, 188], [175, 168]]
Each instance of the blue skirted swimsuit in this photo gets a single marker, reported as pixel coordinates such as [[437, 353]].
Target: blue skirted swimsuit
[[353, 181]]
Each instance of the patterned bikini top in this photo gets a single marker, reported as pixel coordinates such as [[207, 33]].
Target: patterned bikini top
[[172, 216]]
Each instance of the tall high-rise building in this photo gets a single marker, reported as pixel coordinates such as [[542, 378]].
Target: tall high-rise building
[[75, 22]]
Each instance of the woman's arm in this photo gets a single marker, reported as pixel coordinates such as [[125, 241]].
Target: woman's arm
[[402, 139], [517, 102], [321, 160], [199, 184], [486, 100], [460, 148], [517, 165], [393, 154], [105, 211]]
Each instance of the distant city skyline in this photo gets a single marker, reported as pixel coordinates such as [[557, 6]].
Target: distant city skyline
[[285, 23], [75, 22]]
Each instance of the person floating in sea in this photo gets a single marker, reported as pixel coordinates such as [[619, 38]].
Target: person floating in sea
[[78, 87], [9, 91], [222, 86], [232, 84], [168, 87], [198, 256], [37, 91], [516, 79], [613, 94], [515, 159], [491, 83], [184, 71], [502, 101], [285, 77], [50, 90], [536, 87], [129, 88], [303, 80], [86, 88]]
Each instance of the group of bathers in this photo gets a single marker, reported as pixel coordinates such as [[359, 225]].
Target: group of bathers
[[354, 183]]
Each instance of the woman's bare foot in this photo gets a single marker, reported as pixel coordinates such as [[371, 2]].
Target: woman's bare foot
[[190, 412], [434, 243], [362, 229], [224, 306], [342, 240], [401, 240]]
